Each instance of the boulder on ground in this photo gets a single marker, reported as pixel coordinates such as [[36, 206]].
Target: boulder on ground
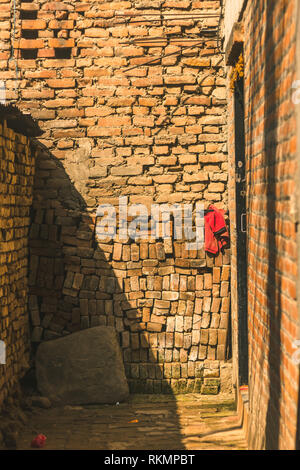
[[41, 402], [81, 368]]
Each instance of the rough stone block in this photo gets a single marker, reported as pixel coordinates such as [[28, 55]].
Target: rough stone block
[[85, 367]]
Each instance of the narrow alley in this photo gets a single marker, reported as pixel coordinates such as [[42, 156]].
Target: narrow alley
[[149, 225]]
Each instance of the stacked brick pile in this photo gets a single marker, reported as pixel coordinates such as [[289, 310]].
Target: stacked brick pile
[[170, 306], [17, 163], [115, 126]]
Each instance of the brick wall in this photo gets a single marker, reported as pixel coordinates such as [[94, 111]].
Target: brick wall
[[17, 161], [114, 126], [270, 118]]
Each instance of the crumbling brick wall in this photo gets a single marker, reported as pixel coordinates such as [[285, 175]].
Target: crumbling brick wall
[[17, 163], [117, 127]]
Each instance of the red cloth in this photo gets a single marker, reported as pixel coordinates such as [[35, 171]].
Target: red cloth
[[216, 233], [39, 441]]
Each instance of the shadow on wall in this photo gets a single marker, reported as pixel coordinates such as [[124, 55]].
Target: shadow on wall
[[73, 286]]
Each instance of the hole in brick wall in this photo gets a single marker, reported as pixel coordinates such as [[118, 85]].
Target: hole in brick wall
[[29, 53], [58, 233], [29, 33], [3, 233], [63, 52], [28, 14]]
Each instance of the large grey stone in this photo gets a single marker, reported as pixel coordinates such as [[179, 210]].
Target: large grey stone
[[81, 368]]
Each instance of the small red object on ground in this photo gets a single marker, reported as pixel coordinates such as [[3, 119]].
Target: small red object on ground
[[39, 441]]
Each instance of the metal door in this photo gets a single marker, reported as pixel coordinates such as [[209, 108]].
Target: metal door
[[240, 172]]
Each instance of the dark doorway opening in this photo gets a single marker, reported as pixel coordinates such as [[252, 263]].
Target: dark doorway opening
[[240, 173]]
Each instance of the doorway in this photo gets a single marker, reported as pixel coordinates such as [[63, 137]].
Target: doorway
[[241, 220]]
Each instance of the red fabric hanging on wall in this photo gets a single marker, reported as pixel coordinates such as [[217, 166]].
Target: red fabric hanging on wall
[[216, 233]]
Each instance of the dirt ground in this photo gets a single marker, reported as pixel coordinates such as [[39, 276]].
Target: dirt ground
[[145, 422]]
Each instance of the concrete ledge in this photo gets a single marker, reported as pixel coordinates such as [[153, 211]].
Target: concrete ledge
[[235, 44]]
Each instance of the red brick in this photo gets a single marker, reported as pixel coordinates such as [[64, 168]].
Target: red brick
[[61, 83], [33, 24], [60, 42], [29, 44]]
